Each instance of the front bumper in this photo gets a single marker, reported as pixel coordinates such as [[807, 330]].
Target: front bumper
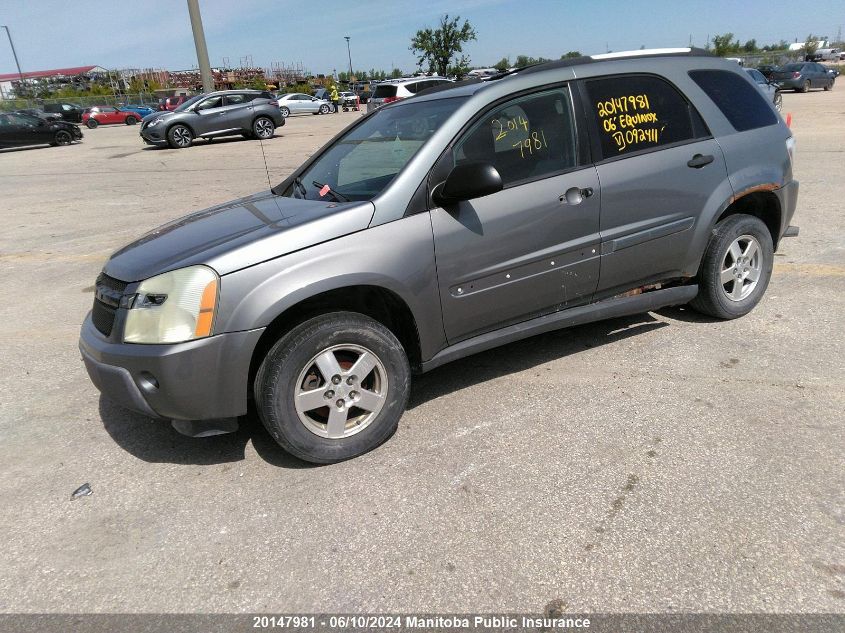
[[197, 380], [154, 135]]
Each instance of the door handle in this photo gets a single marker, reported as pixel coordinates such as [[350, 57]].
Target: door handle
[[575, 195], [699, 160]]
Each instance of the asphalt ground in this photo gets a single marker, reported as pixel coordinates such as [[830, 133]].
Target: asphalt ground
[[659, 463]]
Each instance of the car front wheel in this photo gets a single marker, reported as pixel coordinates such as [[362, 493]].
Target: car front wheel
[[736, 267], [263, 128], [62, 137], [324, 109], [333, 388], [179, 137], [285, 112]]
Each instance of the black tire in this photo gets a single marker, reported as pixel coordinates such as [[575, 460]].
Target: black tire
[[131, 120], [713, 294], [180, 136], [285, 112], [806, 86], [829, 86], [278, 380], [324, 109], [263, 128], [92, 123], [62, 137]]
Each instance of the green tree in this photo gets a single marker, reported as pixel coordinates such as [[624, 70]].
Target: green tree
[[811, 44], [750, 46], [502, 64], [724, 44], [396, 73], [437, 48], [571, 54]]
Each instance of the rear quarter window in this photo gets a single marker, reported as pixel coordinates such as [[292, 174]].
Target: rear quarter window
[[639, 112], [740, 102]]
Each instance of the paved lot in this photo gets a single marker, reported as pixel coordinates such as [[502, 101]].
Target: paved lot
[[656, 463]]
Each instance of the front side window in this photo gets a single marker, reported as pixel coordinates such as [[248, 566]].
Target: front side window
[[638, 112], [528, 138], [211, 102], [363, 162]]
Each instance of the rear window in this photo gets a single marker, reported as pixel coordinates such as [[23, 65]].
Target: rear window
[[793, 67], [383, 92], [741, 103]]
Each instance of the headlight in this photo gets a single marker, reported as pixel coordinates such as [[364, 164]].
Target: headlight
[[174, 307], [154, 122]]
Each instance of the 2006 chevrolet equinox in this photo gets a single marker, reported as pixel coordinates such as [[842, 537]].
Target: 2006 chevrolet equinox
[[469, 216]]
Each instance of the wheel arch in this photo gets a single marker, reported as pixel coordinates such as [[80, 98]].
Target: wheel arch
[[175, 123], [759, 201], [377, 302]]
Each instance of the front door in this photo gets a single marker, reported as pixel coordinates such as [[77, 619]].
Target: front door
[[658, 167], [531, 248]]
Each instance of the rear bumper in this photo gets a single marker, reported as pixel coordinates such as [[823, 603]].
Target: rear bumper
[[197, 380], [788, 198]]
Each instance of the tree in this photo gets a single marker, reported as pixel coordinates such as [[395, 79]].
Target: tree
[[396, 73], [724, 44], [524, 60], [811, 44], [750, 46], [571, 54], [502, 64], [439, 47]]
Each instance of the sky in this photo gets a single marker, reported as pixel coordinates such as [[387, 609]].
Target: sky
[[157, 33]]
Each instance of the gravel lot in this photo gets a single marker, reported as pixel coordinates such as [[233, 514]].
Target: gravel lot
[[657, 463]]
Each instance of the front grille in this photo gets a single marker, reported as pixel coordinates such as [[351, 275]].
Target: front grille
[[106, 301]]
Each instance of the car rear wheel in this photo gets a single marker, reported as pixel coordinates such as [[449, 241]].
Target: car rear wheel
[[736, 267], [92, 123], [263, 128], [806, 86], [131, 120], [62, 137], [285, 112], [179, 137], [333, 388], [324, 109]]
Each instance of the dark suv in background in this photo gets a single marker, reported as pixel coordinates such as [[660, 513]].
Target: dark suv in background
[[552, 196], [68, 111], [251, 113]]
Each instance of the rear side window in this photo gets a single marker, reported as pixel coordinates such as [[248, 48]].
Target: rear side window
[[238, 98], [638, 112], [740, 102], [382, 92]]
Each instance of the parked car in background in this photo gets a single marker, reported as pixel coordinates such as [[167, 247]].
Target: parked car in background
[[108, 115], [300, 103], [68, 111], [171, 103], [18, 129], [363, 89], [824, 55], [475, 225], [41, 114], [803, 76], [769, 89], [349, 101], [250, 113], [138, 109], [398, 89], [767, 70]]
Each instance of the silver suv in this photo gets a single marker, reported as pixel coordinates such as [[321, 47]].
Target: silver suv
[[397, 89], [462, 219], [251, 113]]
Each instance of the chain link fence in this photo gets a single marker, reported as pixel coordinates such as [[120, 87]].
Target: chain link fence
[[141, 98]]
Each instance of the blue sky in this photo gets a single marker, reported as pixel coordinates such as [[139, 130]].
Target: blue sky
[[157, 33]]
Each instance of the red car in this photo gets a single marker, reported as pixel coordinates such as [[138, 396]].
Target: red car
[[171, 103], [103, 115]]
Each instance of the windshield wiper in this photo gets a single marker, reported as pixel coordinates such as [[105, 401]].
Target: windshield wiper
[[338, 197]]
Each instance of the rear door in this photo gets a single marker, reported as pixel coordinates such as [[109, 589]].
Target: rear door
[[529, 249], [658, 165], [238, 110]]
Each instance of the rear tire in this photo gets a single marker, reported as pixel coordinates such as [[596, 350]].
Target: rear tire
[[805, 87], [179, 137], [263, 128], [92, 123], [735, 269], [318, 359]]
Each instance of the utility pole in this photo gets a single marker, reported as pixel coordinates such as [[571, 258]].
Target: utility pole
[[349, 52], [202, 49], [17, 63]]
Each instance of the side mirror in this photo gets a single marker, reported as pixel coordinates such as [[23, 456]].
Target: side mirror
[[468, 181]]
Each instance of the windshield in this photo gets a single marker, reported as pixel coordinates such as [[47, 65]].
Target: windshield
[[361, 164], [187, 104]]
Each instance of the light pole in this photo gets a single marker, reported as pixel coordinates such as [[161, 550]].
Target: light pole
[[202, 49], [17, 63], [349, 52]]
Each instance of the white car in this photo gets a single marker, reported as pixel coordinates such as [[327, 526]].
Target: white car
[[300, 103]]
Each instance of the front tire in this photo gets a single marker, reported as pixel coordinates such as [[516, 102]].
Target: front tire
[[179, 137], [263, 128], [92, 123], [333, 388], [736, 268], [285, 112], [62, 137], [324, 109], [829, 87], [131, 120]]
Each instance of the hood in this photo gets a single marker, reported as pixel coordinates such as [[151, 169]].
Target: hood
[[238, 234], [158, 114]]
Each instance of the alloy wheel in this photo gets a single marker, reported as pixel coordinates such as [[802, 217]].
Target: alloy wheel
[[264, 128], [340, 391], [182, 136], [741, 268], [63, 137]]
